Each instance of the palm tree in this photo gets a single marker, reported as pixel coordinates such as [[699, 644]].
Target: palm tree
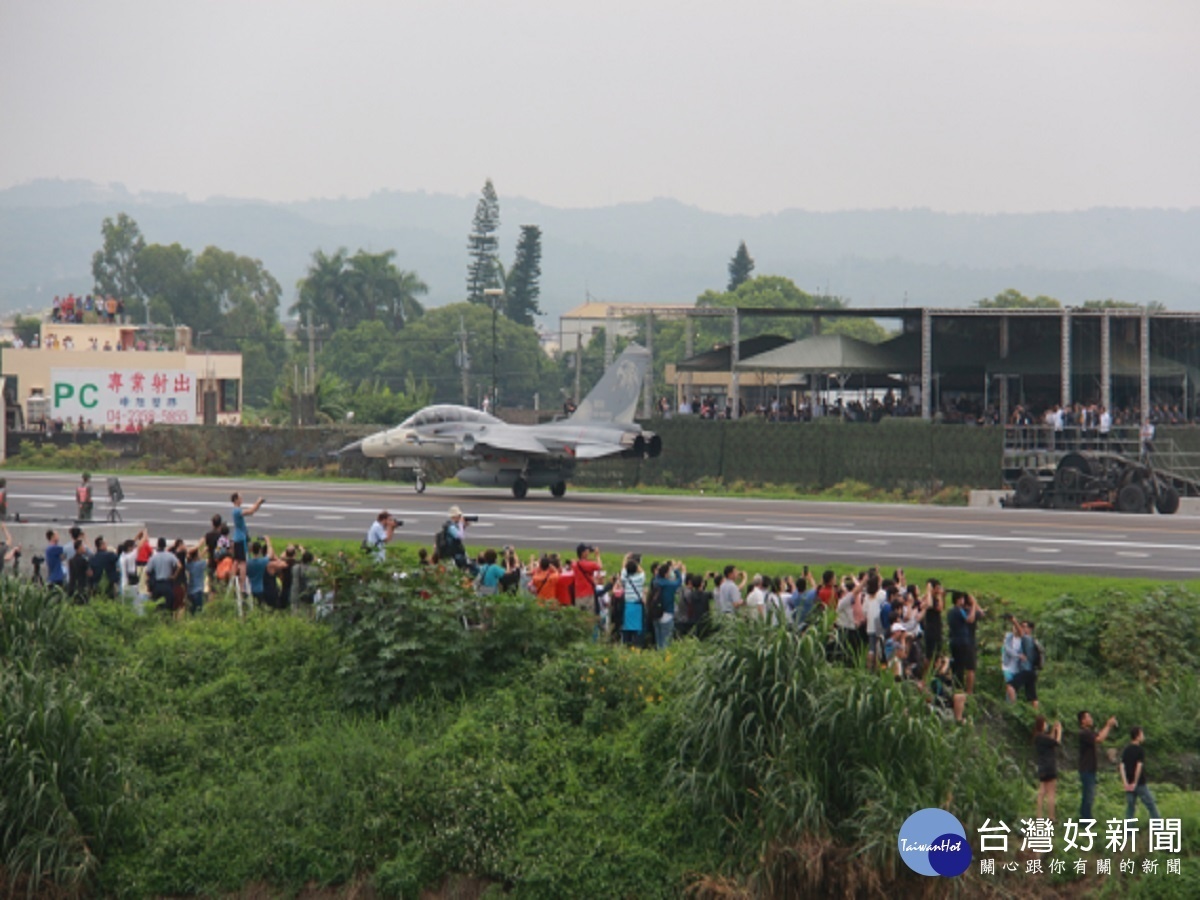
[[324, 290]]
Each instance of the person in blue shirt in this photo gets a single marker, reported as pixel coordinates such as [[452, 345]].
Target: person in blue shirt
[[668, 579], [633, 582], [55, 572], [197, 569], [490, 573], [241, 535], [800, 603]]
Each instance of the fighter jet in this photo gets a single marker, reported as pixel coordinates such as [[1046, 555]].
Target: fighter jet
[[524, 456]]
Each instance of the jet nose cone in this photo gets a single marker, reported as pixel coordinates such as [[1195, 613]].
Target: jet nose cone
[[374, 445], [349, 448]]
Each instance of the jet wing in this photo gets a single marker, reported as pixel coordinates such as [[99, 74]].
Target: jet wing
[[510, 439], [596, 451]]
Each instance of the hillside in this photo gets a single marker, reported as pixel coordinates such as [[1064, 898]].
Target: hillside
[[661, 250]]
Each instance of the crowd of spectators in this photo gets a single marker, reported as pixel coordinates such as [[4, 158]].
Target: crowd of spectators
[[960, 410], [74, 310]]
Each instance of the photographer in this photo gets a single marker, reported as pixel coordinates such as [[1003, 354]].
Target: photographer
[[800, 601], [379, 534], [454, 535], [668, 580], [1088, 739], [960, 623]]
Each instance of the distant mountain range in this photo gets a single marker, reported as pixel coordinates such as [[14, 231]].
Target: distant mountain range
[[659, 251]]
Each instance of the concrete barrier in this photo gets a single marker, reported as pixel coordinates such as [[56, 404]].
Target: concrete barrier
[[31, 536]]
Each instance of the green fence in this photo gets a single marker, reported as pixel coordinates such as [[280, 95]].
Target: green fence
[[899, 453]]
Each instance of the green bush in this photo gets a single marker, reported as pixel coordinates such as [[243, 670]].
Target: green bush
[[428, 635]]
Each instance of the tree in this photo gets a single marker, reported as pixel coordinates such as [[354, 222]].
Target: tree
[[482, 245], [344, 291], [114, 265], [741, 267], [378, 290], [165, 279], [1014, 299], [521, 283], [27, 328], [324, 291], [1152, 307]]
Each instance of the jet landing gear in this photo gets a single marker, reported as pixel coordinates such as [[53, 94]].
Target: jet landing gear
[[420, 480], [520, 488], [558, 489]]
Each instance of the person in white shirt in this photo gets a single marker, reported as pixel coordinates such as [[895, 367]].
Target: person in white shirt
[[872, 600], [756, 599]]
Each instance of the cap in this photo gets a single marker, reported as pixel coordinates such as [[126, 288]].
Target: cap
[[583, 548], [897, 627], [455, 512]]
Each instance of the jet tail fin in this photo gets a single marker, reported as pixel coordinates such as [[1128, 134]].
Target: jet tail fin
[[614, 398]]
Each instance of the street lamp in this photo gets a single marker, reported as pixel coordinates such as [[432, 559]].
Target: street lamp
[[494, 296]]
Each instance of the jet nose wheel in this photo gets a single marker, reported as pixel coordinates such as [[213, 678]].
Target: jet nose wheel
[[558, 489], [520, 488], [420, 485]]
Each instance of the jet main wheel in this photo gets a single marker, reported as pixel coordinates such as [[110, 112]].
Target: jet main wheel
[[420, 485], [558, 489], [520, 488]]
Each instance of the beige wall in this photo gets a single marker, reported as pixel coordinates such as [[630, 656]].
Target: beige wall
[[32, 368]]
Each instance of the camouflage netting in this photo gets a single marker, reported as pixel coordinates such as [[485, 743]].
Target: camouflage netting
[[902, 453]]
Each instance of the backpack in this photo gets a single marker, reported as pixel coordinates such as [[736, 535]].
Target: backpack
[[442, 545], [1039, 655], [654, 602]]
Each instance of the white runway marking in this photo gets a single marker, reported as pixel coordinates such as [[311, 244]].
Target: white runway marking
[[712, 534], [188, 512], [871, 541], [552, 527], [1043, 550], [631, 531], [330, 518], [784, 537], [43, 505], [1133, 555], [956, 546]]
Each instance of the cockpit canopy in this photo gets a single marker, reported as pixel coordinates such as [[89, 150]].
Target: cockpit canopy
[[440, 415]]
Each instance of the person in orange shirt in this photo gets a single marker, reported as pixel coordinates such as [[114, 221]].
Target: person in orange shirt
[[544, 582]]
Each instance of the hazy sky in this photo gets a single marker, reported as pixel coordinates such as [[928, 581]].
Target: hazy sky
[[750, 107]]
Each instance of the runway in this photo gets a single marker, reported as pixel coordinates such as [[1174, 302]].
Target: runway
[[980, 540]]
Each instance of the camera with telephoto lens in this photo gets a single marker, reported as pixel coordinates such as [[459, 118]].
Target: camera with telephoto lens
[[470, 518]]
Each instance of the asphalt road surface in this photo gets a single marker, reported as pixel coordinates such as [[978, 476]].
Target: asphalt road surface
[[981, 540]]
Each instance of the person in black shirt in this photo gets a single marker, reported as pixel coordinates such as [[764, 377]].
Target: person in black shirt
[[210, 543], [1133, 776], [1088, 739], [79, 575], [1045, 748], [105, 576]]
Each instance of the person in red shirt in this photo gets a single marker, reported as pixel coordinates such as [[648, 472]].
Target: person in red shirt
[[827, 593], [586, 570], [565, 589]]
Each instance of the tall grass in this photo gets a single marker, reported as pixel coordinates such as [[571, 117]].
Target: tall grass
[[64, 794], [809, 763]]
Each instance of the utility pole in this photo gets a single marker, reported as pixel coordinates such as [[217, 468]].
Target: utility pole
[[578, 363], [495, 295], [464, 361]]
